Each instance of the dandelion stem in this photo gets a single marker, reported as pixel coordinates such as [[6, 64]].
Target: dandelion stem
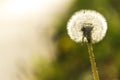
[[92, 61]]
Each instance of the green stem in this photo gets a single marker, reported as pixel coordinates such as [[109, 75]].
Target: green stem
[[92, 61]]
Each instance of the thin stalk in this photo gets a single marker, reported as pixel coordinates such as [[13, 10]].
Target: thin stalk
[[92, 61]]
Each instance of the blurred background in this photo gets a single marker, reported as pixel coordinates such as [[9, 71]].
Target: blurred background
[[35, 45]]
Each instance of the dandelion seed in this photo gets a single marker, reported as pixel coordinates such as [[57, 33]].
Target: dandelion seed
[[87, 26]]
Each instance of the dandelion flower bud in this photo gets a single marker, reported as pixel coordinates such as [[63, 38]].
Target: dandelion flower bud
[[87, 26]]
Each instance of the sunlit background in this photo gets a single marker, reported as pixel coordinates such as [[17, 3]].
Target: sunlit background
[[34, 44]]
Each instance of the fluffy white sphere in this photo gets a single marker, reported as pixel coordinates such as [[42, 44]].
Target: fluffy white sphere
[[82, 17]]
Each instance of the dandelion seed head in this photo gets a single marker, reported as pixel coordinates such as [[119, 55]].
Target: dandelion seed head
[[87, 18]]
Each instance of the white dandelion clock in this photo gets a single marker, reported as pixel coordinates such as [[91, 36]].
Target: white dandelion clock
[[87, 26]]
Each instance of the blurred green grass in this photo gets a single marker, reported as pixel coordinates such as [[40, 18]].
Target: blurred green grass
[[72, 62]]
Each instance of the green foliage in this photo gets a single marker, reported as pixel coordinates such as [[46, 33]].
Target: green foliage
[[72, 62]]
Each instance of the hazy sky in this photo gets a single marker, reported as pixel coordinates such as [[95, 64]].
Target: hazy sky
[[24, 25]]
